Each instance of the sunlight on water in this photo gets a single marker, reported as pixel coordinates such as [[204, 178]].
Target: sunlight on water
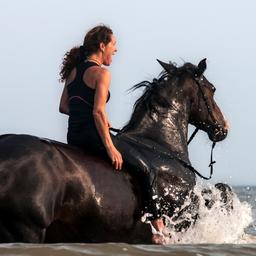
[[215, 225]]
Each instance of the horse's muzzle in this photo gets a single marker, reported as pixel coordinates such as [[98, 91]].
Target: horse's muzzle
[[218, 133]]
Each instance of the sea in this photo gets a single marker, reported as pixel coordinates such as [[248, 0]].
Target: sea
[[217, 232]]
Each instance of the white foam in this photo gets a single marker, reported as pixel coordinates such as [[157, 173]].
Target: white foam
[[215, 225]]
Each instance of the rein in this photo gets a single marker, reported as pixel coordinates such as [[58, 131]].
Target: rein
[[212, 162], [176, 157]]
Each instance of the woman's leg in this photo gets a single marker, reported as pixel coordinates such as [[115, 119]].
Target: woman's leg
[[152, 206], [88, 140]]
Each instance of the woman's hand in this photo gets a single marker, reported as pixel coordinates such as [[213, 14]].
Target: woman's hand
[[115, 157]]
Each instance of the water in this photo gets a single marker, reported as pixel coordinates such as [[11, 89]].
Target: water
[[217, 233], [127, 250]]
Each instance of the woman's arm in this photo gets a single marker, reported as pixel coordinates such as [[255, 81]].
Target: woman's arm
[[100, 117], [63, 107]]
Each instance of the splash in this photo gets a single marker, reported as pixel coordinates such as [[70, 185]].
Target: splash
[[215, 225]]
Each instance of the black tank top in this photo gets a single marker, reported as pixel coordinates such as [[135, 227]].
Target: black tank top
[[81, 100]]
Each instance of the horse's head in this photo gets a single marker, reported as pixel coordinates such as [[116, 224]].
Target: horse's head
[[204, 112]]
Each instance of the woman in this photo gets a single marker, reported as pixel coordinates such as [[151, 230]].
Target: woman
[[85, 94]]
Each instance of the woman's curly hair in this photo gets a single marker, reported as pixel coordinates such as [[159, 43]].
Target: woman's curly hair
[[92, 40]]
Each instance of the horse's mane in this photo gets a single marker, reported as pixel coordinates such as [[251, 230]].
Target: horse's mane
[[151, 96]]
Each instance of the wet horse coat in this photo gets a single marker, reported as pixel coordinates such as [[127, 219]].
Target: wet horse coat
[[52, 192]]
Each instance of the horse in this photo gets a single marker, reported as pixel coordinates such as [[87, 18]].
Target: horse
[[53, 192]]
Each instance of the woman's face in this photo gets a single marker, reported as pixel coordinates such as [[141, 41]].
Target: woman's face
[[109, 50]]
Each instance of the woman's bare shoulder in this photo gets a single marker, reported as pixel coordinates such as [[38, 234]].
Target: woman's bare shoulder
[[101, 73]]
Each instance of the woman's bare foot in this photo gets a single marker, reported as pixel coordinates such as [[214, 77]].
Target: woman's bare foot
[[158, 224], [158, 239]]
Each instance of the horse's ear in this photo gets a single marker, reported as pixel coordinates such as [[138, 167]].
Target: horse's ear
[[168, 67], [201, 67]]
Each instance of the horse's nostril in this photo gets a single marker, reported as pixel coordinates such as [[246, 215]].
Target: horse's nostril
[[219, 133], [222, 134]]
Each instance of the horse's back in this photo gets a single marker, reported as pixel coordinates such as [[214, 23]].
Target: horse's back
[[43, 180], [32, 165]]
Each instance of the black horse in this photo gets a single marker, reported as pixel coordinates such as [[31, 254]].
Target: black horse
[[52, 192]]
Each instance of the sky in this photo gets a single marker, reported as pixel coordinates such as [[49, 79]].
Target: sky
[[36, 34]]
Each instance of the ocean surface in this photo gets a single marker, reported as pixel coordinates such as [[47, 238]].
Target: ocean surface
[[217, 233]]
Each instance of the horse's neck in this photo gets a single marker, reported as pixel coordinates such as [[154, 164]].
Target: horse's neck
[[165, 127]]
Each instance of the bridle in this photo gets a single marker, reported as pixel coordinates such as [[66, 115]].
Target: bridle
[[212, 162]]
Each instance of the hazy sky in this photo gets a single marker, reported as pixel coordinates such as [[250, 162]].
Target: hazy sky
[[36, 34]]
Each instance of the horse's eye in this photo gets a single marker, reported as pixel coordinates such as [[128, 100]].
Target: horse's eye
[[213, 89]]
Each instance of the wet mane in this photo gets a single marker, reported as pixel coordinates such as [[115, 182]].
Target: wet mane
[[152, 97]]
